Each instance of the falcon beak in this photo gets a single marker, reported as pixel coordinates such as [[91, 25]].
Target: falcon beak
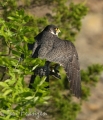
[[57, 31]]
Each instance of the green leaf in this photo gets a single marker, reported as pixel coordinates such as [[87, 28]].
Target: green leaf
[[7, 92], [10, 18], [42, 81], [34, 67], [35, 99], [25, 38], [3, 84], [29, 97], [46, 98]]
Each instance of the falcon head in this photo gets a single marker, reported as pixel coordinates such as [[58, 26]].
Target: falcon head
[[52, 29]]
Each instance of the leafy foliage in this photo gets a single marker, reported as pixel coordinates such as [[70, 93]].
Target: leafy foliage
[[17, 30], [70, 18], [90, 78]]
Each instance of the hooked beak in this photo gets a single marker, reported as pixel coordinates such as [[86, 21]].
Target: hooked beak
[[57, 31]]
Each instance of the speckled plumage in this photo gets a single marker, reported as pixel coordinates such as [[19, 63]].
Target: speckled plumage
[[48, 46]]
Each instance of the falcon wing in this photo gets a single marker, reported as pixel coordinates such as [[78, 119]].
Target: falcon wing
[[73, 74], [64, 53]]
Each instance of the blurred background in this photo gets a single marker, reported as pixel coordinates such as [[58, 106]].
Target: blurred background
[[89, 44], [90, 48]]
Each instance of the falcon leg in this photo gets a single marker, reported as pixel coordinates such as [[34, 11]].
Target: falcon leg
[[46, 70]]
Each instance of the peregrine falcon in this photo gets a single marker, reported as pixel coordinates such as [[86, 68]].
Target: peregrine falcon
[[50, 47]]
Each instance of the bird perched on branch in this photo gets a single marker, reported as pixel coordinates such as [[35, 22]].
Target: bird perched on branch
[[48, 46]]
